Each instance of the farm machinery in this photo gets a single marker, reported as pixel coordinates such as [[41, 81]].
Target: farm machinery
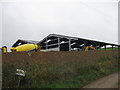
[[89, 48], [26, 47], [35, 47], [3, 49]]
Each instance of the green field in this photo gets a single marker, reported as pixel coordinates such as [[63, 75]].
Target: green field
[[109, 49]]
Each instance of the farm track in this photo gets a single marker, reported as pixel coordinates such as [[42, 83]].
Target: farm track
[[110, 81]]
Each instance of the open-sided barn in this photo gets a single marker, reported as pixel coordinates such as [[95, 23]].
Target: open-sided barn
[[56, 42]]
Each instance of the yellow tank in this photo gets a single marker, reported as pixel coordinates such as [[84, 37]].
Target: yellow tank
[[25, 47], [3, 49]]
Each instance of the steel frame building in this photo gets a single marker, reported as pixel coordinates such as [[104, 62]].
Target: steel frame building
[[67, 43]]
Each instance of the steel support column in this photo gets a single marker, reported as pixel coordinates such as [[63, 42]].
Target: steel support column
[[118, 47], [112, 47], [46, 44], [105, 47], [84, 45], [69, 44], [58, 43], [96, 46]]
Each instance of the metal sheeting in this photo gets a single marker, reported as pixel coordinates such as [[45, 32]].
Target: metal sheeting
[[21, 42]]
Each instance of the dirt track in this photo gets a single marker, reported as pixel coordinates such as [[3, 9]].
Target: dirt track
[[110, 81]]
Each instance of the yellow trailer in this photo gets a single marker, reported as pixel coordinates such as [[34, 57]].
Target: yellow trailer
[[25, 47]]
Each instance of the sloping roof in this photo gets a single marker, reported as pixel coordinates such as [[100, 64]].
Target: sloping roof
[[52, 36], [20, 42], [30, 41], [76, 38]]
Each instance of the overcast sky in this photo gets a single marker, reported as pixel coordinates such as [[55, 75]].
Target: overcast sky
[[33, 20]]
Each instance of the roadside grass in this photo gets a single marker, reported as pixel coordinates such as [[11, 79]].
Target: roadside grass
[[65, 74], [78, 81]]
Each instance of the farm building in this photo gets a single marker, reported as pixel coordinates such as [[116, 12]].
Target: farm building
[[67, 43], [21, 42], [56, 42]]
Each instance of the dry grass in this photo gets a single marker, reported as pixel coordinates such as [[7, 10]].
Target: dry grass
[[50, 67]]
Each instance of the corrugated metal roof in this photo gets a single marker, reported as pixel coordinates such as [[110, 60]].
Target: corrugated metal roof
[[69, 37], [20, 42]]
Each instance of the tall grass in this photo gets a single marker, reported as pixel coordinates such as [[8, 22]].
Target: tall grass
[[65, 74]]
